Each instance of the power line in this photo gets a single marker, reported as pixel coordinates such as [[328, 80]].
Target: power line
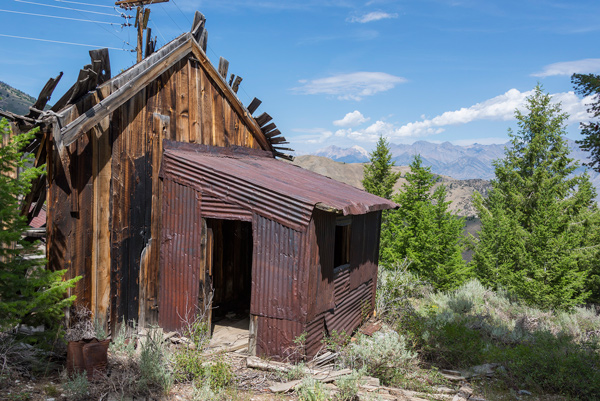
[[168, 15], [67, 8], [84, 4], [64, 43], [55, 16], [184, 16]]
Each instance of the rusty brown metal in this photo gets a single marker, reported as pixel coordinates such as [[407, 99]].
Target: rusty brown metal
[[215, 208], [271, 188], [279, 279], [180, 256], [315, 332], [275, 338], [355, 306]]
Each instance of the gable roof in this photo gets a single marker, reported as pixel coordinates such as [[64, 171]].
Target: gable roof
[[256, 181], [124, 86]]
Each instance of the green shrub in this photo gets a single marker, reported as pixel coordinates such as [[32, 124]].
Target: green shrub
[[312, 390], [384, 355], [155, 374], [77, 386], [349, 385]]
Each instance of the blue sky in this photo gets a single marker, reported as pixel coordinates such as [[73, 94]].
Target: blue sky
[[341, 72]]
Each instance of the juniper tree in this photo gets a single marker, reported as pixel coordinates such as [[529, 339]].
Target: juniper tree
[[425, 232], [29, 293], [539, 222]]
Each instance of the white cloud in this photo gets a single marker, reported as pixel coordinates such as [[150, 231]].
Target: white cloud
[[588, 65], [352, 86], [312, 135], [372, 16], [351, 119], [499, 108]]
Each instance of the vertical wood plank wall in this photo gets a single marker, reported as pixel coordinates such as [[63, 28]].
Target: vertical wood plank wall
[[105, 226]]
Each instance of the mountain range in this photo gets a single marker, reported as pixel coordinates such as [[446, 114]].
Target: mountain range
[[459, 162], [13, 100]]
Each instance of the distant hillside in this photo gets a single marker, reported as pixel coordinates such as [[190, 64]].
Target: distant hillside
[[459, 191], [14, 100], [459, 162]]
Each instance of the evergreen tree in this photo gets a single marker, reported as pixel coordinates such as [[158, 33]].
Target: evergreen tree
[[589, 85], [424, 231], [539, 221], [29, 294], [378, 177]]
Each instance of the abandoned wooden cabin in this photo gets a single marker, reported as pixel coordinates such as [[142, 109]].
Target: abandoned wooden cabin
[[164, 193]]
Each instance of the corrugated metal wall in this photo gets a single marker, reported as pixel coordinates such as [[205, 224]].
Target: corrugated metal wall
[[279, 276], [180, 257], [275, 337]]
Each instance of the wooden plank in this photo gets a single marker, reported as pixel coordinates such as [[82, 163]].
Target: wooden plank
[[101, 168], [127, 86], [279, 139], [223, 67], [198, 25], [205, 103], [232, 99], [195, 115], [268, 128], [181, 94], [236, 84], [219, 135], [254, 105], [45, 95], [263, 119], [283, 156], [101, 64], [273, 134]]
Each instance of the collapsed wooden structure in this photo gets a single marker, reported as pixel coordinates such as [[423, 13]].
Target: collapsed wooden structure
[[164, 194]]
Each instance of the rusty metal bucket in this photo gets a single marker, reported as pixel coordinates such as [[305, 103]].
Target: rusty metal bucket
[[87, 356], [75, 362]]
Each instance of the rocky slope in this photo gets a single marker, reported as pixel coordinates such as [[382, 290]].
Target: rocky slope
[[459, 191]]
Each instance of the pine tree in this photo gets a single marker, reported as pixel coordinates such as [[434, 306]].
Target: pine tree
[[589, 85], [29, 294], [539, 221], [424, 231], [378, 177]]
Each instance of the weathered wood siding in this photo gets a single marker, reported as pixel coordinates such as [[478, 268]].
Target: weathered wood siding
[[105, 225]]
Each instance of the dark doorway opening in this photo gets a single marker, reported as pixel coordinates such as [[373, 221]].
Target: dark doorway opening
[[231, 280]]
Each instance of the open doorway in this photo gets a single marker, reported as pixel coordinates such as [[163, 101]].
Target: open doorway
[[231, 271]]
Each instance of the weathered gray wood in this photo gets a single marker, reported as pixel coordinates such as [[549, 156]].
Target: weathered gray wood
[[273, 133], [254, 105], [231, 78], [149, 43], [223, 67], [44, 96], [263, 119], [102, 69], [268, 128], [236, 83], [203, 39], [198, 25], [279, 139], [284, 156], [127, 86]]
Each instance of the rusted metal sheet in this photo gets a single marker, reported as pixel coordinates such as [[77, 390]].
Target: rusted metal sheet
[[355, 306], [271, 188], [275, 338], [341, 283], [315, 332], [279, 278], [364, 250], [214, 208], [180, 255], [321, 241]]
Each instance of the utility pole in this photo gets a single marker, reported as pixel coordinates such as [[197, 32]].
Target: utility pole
[[141, 23]]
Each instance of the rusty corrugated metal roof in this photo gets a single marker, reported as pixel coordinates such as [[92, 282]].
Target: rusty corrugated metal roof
[[271, 188]]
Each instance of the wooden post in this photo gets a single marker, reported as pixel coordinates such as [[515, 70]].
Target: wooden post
[[141, 20]]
